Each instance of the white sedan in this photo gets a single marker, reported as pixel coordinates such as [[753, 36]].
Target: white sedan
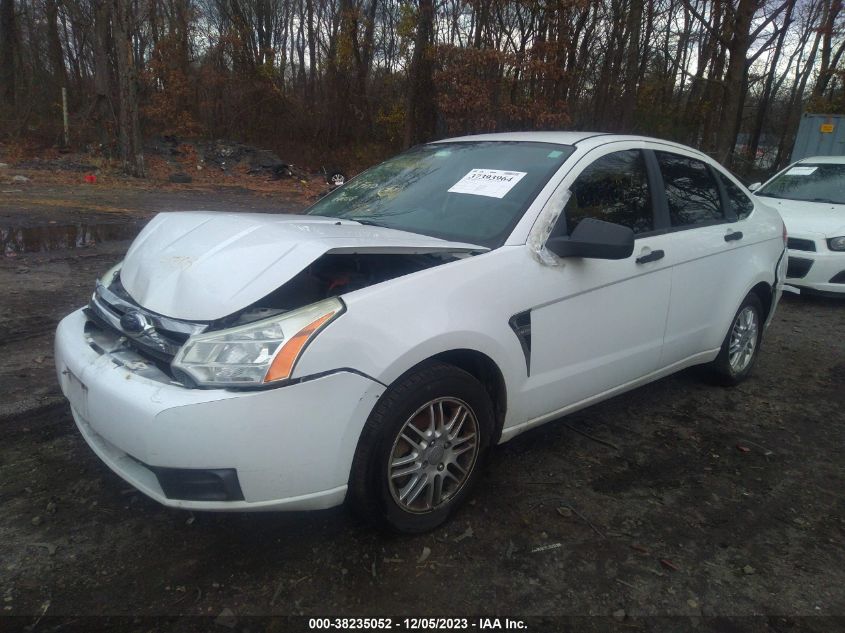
[[438, 304], [810, 196]]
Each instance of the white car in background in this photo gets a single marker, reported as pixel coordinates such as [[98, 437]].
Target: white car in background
[[440, 303], [810, 197]]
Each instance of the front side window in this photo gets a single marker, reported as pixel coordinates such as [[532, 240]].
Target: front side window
[[691, 191], [820, 182], [741, 205], [615, 189], [472, 192]]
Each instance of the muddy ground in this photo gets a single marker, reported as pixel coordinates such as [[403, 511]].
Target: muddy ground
[[695, 501]]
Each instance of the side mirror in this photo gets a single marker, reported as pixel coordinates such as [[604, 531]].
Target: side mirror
[[754, 186], [595, 239]]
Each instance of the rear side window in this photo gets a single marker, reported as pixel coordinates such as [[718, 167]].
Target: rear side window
[[615, 189], [741, 205], [691, 190]]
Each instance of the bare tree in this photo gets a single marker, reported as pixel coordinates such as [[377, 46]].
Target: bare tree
[[420, 115], [129, 136], [7, 52], [364, 77]]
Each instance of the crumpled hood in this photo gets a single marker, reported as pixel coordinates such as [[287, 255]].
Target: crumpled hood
[[802, 217], [202, 266]]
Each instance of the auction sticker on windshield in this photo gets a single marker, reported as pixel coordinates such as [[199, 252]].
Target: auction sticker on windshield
[[494, 183]]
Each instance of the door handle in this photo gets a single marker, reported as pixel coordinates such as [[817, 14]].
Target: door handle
[[653, 256], [732, 237]]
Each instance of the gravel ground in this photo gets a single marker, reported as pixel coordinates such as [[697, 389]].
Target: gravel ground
[[678, 499]]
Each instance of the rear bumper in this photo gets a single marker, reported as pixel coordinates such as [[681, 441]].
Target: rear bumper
[[780, 274], [292, 447]]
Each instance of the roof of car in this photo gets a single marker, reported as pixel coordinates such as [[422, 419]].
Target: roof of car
[[561, 138], [834, 160], [565, 138]]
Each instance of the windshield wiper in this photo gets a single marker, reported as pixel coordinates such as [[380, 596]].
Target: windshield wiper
[[826, 200], [368, 222], [771, 195]]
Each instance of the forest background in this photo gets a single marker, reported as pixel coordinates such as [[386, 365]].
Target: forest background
[[353, 81]]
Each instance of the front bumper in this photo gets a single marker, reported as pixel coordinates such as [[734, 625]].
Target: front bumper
[[292, 447], [814, 270]]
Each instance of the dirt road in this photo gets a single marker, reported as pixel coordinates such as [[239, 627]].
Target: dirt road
[[696, 501]]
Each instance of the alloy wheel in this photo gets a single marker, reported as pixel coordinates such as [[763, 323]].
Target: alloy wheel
[[433, 455], [743, 342]]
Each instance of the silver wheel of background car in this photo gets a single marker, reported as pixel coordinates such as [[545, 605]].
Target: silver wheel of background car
[[743, 343], [433, 455]]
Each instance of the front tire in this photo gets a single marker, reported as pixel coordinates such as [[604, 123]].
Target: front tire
[[742, 343], [421, 449]]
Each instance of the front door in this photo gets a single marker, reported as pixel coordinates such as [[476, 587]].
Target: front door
[[603, 323]]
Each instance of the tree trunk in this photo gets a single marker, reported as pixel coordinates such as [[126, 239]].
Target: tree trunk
[[763, 105], [699, 104], [632, 66], [129, 136], [366, 63], [312, 52], [104, 113], [54, 44], [421, 109], [734, 77], [826, 69], [602, 95], [7, 52], [796, 104]]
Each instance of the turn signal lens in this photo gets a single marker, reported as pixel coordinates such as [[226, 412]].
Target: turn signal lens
[[282, 365]]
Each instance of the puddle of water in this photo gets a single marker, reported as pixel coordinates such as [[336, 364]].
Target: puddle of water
[[54, 237]]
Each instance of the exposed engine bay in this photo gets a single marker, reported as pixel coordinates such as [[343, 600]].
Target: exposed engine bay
[[333, 275], [145, 341]]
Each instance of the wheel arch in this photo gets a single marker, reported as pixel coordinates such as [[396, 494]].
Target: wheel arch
[[477, 364], [481, 367], [764, 293], [761, 285], [487, 372]]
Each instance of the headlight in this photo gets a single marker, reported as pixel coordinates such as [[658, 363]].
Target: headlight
[[257, 353], [836, 243]]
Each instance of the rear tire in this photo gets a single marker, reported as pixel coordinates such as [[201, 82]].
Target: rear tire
[[421, 449], [741, 345]]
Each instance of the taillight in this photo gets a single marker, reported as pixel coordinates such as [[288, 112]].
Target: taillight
[[784, 235]]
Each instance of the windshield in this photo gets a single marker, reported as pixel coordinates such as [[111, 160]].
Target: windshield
[[822, 182], [472, 192]]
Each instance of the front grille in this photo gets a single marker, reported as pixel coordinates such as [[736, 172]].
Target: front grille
[[798, 244], [104, 339], [155, 337], [798, 267]]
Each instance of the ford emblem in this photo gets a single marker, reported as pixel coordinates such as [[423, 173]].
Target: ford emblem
[[134, 322]]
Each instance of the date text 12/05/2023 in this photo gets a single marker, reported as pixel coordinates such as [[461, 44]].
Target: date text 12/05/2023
[[416, 624]]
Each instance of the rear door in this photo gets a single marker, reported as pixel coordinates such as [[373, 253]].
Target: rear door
[[706, 254], [602, 323]]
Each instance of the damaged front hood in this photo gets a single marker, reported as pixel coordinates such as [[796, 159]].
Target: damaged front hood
[[202, 266]]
